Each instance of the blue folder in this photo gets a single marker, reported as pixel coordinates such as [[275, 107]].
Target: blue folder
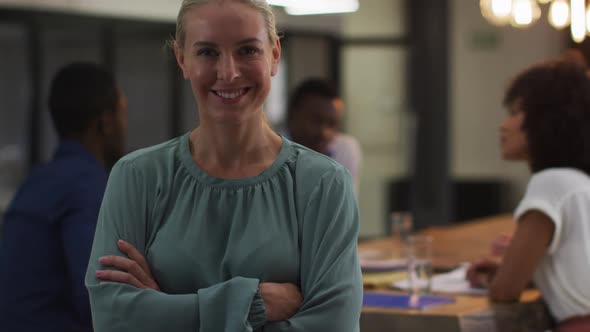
[[403, 301]]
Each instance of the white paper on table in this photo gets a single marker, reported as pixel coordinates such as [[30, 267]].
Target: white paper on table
[[451, 282], [392, 264]]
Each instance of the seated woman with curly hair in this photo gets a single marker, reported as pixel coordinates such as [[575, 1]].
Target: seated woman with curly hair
[[548, 126]]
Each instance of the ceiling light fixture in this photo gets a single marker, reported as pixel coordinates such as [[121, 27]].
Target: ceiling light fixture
[[314, 7], [523, 13]]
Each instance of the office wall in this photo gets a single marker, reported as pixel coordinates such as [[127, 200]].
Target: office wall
[[373, 80], [374, 19], [326, 24], [483, 60], [307, 56]]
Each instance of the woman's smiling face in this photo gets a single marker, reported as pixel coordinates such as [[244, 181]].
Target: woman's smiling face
[[229, 59]]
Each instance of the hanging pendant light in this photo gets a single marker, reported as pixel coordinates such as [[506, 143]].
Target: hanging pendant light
[[497, 12], [525, 13], [559, 14], [578, 20]]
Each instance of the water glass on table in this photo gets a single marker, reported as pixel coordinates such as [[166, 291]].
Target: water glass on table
[[418, 252], [401, 226]]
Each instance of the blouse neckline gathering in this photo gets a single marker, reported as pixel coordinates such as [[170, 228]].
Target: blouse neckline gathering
[[200, 175]]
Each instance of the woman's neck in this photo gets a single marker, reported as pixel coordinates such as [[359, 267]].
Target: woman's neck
[[234, 151]]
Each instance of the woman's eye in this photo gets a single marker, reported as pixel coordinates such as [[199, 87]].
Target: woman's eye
[[206, 52], [249, 50]]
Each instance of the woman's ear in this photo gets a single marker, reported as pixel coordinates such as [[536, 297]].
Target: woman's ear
[[276, 58], [179, 55]]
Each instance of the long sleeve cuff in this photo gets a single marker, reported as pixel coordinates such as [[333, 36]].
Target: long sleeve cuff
[[257, 315]]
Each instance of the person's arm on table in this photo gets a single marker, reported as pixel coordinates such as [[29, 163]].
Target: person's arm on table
[[528, 246]]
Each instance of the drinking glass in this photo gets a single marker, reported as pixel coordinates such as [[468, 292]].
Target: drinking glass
[[418, 252]]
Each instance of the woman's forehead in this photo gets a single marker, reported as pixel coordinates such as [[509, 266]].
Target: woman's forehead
[[224, 21]]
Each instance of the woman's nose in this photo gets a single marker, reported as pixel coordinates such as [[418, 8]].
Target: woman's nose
[[227, 69]]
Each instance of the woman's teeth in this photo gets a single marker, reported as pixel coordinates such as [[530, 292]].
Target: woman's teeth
[[230, 95]]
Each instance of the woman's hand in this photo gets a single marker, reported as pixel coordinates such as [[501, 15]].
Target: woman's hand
[[134, 269], [481, 273], [282, 300]]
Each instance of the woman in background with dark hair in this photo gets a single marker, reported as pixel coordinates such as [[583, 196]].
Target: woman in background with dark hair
[[548, 126]]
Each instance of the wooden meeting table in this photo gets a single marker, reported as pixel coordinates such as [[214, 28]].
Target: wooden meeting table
[[453, 245]]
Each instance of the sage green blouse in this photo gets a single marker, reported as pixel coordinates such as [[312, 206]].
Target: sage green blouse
[[210, 241]]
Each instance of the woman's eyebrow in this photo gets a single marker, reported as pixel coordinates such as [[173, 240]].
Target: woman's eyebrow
[[249, 40], [204, 43], [201, 43]]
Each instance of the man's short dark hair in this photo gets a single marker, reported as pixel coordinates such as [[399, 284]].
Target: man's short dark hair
[[313, 86], [555, 99], [78, 94]]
